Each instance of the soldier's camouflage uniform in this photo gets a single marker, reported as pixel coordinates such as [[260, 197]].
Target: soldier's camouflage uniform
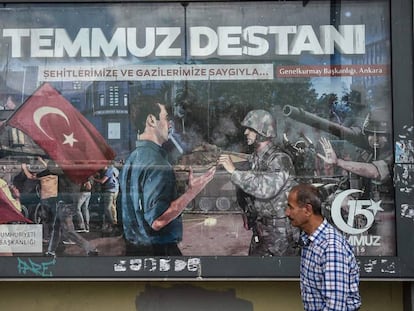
[[266, 186]]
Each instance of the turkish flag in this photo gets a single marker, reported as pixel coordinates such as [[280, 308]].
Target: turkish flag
[[63, 132]]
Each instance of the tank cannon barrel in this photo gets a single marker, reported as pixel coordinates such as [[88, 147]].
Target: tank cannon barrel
[[351, 134]]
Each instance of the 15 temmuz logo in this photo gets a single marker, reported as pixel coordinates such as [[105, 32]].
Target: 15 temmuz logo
[[345, 219]]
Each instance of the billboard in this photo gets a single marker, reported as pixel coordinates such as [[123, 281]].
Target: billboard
[[77, 78]]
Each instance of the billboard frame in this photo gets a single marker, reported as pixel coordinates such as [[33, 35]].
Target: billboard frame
[[400, 267]]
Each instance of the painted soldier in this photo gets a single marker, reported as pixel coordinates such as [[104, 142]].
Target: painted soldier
[[264, 188], [377, 168], [374, 179]]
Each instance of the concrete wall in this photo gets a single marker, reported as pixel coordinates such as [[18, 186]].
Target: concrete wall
[[183, 296]]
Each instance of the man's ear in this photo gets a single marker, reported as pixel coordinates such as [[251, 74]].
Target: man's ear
[[151, 120], [308, 209]]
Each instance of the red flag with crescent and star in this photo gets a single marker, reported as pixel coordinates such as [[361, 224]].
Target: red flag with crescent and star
[[63, 133]]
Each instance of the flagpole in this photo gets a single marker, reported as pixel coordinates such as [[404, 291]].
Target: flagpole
[[23, 83]]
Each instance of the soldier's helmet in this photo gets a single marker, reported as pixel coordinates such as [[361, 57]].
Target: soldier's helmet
[[377, 121], [261, 121]]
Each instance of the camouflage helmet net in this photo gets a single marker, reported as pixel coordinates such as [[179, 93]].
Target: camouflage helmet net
[[377, 121], [261, 121]]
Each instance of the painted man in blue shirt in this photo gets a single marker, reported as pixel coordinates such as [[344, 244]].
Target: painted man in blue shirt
[[329, 274], [110, 190], [151, 208]]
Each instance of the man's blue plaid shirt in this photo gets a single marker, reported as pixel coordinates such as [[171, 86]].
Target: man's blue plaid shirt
[[329, 273]]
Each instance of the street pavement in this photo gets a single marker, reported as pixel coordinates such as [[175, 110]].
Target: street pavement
[[203, 235]]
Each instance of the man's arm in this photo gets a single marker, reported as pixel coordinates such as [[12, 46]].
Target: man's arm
[[260, 184], [28, 174], [101, 180], [42, 161], [195, 185], [368, 170], [363, 169]]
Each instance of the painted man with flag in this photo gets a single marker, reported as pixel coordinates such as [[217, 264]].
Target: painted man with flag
[[63, 133], [48, 179], [68, 138]]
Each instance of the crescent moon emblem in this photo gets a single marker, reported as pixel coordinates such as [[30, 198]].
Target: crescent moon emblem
[[336, 213], [43, 111]]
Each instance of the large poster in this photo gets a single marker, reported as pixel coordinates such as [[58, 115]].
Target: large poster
[[314, 77]]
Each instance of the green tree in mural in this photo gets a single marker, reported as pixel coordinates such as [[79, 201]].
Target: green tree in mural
[[206, 105]]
